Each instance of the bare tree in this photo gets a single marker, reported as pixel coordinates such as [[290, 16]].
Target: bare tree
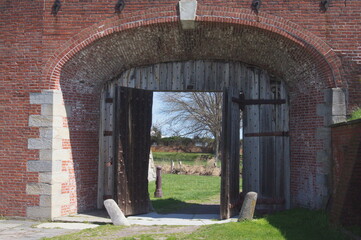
[[196, 113]]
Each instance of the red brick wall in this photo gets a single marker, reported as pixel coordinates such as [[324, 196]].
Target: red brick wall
[[32, 42], [346, 144]]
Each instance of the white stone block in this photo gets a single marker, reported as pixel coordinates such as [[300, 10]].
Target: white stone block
[[46, 133], [57, 144], [45, 155], [39, 166], [58, 121], [45, 201], [62, 133], [39, 143], [62, 154], [59, 110], [45, 97], [54, 177], [187, 11], [47, 110], [38, 189], [38, 212], [40, 121]]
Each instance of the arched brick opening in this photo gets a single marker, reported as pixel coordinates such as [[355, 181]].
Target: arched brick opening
[[101, 53]]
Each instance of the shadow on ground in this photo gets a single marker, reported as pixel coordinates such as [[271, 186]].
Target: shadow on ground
[[171, 205]]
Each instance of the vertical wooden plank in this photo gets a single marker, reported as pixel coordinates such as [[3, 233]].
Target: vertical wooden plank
[[286, 147], [207, 75], [267, 155], [251, 144], [230, 155], [156, 76], [133, 73], [176, 76], [151, 79], [109, 144], [199, 81], [163, 77], [101, 165], [187, 74], [169, 74], [232, 77], [213, 77]]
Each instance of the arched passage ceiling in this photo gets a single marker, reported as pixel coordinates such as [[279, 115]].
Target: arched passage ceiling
[[108, 57]]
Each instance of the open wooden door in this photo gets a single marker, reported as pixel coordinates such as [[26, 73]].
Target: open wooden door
[[266, 141], [132, 145], [230, 154]]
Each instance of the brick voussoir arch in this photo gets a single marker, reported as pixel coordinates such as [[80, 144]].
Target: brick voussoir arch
[[328, 62]]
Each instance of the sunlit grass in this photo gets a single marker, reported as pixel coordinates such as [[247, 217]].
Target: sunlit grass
[[180, 189]]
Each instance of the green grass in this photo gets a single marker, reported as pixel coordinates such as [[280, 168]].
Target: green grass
[[185, 158], [92, 233], [296, 224], [355, 114], [179, 190]]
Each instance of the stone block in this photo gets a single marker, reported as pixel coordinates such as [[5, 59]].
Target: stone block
[[45, 201], [39, 166], [338, 119], [38, 189], [187, 11], [61, 133], [338, 110], [45, 155], [39, 143], [115, 213], [45, 97], [40, 121], [338, 96], [323, 133], [46, 133], [54, 177], [57, 144], [59, 110], [39, 212], [62, 154], [47, 109], [248, 207]]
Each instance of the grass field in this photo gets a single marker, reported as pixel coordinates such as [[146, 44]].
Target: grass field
[[179, 190]]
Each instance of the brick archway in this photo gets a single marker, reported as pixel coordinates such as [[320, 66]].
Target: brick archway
[[80, 68]]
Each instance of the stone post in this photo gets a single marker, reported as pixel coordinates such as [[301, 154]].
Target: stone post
[[115, 213], [248, 207]]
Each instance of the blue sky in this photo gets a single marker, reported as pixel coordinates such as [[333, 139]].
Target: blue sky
[[159, 119]]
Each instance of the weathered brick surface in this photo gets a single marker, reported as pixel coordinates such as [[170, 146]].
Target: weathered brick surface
[[346, 191], [86, 44]]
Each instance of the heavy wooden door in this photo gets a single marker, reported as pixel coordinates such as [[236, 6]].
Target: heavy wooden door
[[266, 141], [230, 154], [133, 124]]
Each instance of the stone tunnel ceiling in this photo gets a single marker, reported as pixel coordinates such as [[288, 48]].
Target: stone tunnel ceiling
[[108, 57]]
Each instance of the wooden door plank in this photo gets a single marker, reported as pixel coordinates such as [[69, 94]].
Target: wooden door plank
[[230, 154]]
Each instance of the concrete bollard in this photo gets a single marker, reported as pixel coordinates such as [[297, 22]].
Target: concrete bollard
[[248, 207], [116, 215], [158, 184]]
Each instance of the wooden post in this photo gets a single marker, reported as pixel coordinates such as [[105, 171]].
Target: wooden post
[[158, 183]]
